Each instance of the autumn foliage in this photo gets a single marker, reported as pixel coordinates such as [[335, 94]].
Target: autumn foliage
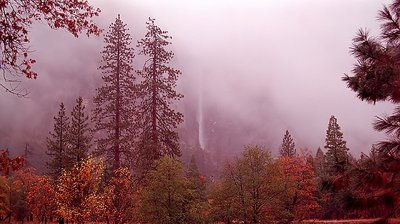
[[135, 125], [41, 198], [7, 164], [78, 192], [119, 197], [257, 189], [75, 16], [300, 187]]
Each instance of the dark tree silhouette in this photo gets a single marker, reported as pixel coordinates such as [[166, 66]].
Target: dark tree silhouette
[[79, 133], [388, 151], [57, 144], [376, 78], [319, 162], [287, 146], [197, 181], [376, 73], [336, 156], [158, 120], [114, 107]]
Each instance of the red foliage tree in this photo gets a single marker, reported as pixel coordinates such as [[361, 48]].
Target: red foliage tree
[[17, 16], [41, 198], [119, 201], [300, 184], [7, 164]]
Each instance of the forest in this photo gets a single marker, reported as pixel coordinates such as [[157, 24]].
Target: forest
[[124, 152]]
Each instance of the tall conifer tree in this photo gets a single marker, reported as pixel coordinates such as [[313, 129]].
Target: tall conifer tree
[[319, 162], [287, 147], [114, 107], [79, 134], [158, 120], [57, 144], [196, 181], [336, 156], [376, 77]]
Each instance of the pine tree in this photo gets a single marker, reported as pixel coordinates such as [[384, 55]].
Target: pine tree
[[57, 144], [158, 120], [336, 156], [197, 187], [376, 78], [319, 162], [197, 181], [376, 73], [114, 107], [79, 134], [287, 147]]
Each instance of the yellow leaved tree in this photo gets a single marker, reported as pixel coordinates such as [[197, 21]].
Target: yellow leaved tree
[[77, 192]]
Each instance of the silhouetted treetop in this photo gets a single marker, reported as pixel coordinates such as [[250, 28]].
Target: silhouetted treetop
[[287, 146], [158, 119], [113, 114]]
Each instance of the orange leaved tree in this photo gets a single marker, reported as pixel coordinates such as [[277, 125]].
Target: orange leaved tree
[[77, 192], [300, 188], [119, 198], [41, 198]]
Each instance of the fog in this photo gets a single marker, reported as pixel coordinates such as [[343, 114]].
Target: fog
[[250, 70]]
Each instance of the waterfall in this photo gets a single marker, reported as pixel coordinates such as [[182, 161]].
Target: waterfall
[[200, 118]]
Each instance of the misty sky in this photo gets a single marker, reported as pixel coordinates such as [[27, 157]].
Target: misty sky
[[274, 65]]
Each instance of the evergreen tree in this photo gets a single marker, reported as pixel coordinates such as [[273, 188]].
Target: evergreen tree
[[287, 147], [114, 107], [158, 121], [319, 162], [79, 134], [57, 144], [376, 73], [376, 78], [197, 186], [196, 180], [336, 156]]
